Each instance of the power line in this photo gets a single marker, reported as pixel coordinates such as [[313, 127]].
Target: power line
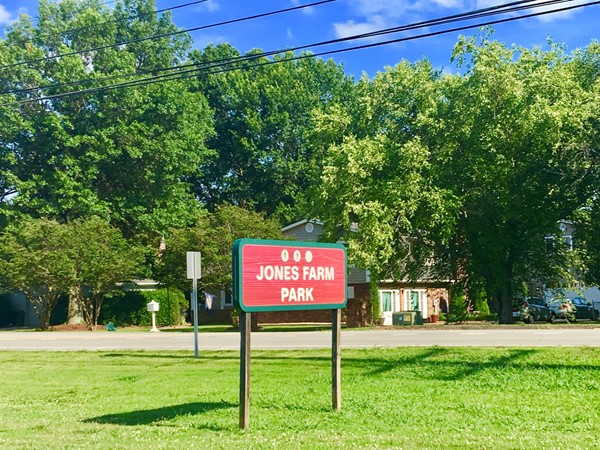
[[194, 72], [469, 15], [174, 33], [212, 64]]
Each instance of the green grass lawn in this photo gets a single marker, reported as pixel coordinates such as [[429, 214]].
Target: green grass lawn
[[438, 398]]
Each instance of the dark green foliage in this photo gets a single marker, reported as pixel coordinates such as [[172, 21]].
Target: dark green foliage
[[130, 308], [459, 307], [124, 154], [268, 155], [213, 236]]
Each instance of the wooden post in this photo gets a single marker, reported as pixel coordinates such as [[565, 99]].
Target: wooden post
[[336, 359], [245, 328]]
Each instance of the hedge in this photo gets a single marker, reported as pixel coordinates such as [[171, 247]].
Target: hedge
[[130, 308]]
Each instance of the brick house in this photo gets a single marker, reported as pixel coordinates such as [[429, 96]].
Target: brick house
[[428, 296]]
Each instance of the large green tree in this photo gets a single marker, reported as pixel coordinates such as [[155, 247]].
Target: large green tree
[[515, 146], [264, 118], [85, 258], [377, 192], [466, 175], [123, 154]]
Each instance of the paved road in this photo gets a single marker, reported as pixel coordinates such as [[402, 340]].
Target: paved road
[[81, 340]]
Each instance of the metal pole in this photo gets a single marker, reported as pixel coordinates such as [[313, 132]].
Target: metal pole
[[195, 308]]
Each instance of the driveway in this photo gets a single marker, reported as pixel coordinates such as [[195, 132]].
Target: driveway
[[103, 340]]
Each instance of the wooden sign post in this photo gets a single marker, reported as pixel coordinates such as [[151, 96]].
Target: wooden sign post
[[287, 276]]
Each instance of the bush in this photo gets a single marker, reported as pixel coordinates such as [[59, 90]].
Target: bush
[[130, 308], [458, 306], [481, 303]]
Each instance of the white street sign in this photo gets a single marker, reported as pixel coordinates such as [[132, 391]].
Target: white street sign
[[193, 265]]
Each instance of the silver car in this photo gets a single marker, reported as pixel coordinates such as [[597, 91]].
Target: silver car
[[563, 308]]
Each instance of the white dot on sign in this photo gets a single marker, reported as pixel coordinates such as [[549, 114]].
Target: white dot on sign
[[285, 255], [297, 256], [308, 256]]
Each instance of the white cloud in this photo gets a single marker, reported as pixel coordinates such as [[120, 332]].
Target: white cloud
[[448, 3], [5, 17], [374, 15], [554, 17], [351, 28], [289, 34], [210, 6]]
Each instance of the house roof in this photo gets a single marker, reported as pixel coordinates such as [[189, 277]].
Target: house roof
[[302, 222]]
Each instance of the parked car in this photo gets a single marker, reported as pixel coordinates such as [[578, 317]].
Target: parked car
[[563, 308], [585, 310], [532, 309]]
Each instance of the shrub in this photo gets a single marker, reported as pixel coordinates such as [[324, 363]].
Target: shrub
[[130, 308], [481, 303], [458, 306]]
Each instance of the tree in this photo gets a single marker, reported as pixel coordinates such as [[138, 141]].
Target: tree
[[213, 236], [376, 192], [467, 175], [264, 116], [34, 259], [101, 258], [514, 146], [122, 154]]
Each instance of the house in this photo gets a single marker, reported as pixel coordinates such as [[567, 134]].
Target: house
[[428, 296]]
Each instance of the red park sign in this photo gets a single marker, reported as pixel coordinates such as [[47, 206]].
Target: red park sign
[[286, 275]]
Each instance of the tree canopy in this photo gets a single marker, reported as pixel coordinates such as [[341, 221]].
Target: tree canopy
[[466, 176], [213, 236], [122, 154], [263, 116]]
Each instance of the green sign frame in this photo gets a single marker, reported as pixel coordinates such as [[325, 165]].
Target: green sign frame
[[238, 266]]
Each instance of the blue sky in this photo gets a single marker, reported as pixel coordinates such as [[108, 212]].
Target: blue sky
[[343, 18]]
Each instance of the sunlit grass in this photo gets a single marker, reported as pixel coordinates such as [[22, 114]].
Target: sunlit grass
[[442, 398]]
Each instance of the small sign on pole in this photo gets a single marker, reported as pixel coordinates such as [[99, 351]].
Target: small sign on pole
[[193, 266]]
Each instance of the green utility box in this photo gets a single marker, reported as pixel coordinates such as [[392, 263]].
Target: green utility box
[[407, 318]]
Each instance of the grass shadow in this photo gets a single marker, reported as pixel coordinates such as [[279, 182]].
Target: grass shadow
[[148, 416]]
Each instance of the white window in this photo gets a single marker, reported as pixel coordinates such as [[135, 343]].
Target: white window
[[416, 300], [389, 300]]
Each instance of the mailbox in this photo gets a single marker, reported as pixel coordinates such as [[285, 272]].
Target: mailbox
[[153, 306]]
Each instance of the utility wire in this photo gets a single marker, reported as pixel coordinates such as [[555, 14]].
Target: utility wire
[[195, 72], [484, 12], [174, 33]]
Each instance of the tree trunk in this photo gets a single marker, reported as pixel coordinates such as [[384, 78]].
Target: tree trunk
[[505, 306], [74, 315], [254, 322]]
